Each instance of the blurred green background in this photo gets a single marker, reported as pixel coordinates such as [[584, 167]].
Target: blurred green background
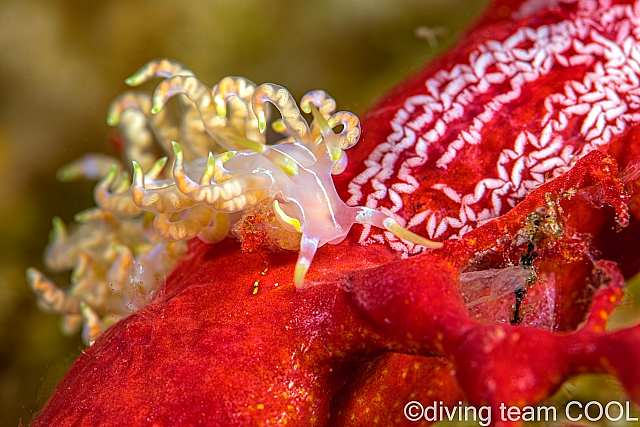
[[63, 61]]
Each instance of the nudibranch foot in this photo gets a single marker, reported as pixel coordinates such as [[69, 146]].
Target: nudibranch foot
[[308, 248]]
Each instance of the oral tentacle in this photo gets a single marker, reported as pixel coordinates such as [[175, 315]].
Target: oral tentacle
[[308, 248], [367, 216], [392, 225]]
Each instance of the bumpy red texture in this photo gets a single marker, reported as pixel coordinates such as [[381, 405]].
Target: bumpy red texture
[[522, 142]]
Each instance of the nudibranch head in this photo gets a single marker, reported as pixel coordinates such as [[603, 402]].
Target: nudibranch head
[[223, 168]]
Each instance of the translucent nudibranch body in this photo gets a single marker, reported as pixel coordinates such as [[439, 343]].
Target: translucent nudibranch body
[[223, 168], [293, 175]]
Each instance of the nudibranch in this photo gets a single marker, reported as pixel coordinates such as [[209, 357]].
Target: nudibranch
[[223, 170]]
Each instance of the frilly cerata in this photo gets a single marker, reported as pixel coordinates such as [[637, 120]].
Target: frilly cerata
[[224, 171]]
